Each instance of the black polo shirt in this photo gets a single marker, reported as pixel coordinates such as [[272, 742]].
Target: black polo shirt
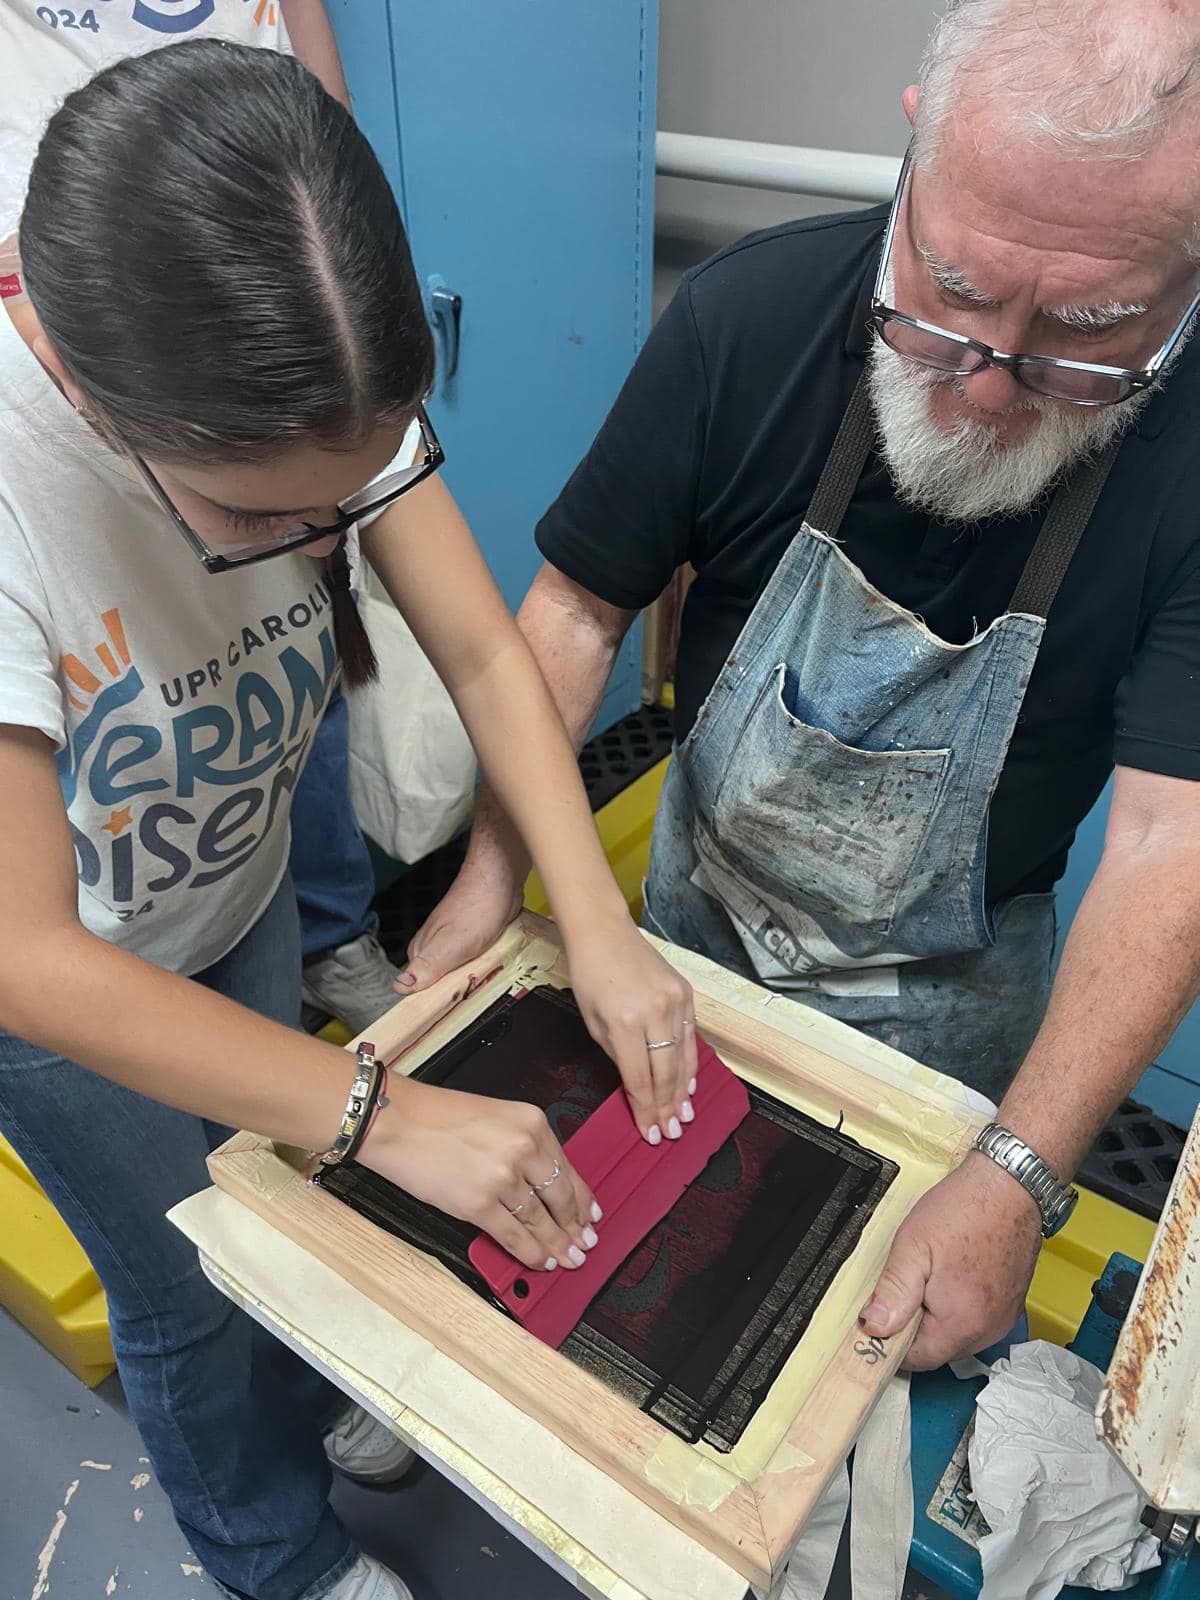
[[711, 454]]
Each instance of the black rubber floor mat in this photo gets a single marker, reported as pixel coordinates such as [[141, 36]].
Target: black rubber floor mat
[[1134, 1160]]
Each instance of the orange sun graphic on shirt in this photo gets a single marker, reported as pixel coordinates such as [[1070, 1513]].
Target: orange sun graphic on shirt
[[82, 677], [265, 12]]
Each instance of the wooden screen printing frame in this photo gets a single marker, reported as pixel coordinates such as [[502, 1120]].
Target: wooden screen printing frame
[[746, 1507]]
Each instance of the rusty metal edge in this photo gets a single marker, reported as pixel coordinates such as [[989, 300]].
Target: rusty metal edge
[[1149, 1407]]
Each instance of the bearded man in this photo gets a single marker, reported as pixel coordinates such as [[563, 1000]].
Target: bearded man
[[937, 468]]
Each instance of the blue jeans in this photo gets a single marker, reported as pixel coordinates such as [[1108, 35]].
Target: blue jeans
[[331, 868], [231, 1419]]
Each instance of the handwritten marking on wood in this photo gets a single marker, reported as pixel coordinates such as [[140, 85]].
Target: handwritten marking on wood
[[872, 1350]]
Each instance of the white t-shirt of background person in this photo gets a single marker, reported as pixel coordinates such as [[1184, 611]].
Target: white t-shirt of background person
[[46, 51], [181, 704]]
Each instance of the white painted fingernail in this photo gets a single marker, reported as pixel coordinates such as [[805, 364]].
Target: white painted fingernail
[[577, 1256], [654, 1135], [550, 1264], [597, 1214], [590, 1238], [674, 1131], [686, 1112], [692, 1086]]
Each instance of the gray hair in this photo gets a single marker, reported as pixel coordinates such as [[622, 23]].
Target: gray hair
[[1096, 78]]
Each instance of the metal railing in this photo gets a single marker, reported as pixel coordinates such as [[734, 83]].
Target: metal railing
[[792, 169]]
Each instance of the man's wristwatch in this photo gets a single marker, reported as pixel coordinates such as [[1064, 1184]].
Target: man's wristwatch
[[1055, 1199]]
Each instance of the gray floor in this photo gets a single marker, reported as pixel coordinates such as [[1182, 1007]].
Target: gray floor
[[81, 1517]]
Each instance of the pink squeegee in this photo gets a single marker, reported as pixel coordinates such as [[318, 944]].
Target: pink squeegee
[[635, 1183]]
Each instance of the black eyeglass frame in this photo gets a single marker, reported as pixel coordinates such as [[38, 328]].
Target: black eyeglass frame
[[882, 315], [435, 457]]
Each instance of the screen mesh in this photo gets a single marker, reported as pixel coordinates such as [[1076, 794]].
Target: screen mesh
[[696, 1324]]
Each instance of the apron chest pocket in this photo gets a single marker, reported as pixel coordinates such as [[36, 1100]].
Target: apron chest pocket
[[838, 829]]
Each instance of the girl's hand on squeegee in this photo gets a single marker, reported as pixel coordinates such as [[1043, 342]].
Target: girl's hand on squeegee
[[632, 1000], [493, 1163]]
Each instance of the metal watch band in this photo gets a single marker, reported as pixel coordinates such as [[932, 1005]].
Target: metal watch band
[[364, 1092], [1055, 1199]]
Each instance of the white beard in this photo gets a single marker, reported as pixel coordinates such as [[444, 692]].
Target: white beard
[[966, 475]]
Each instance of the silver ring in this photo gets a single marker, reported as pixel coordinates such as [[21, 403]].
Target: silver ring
[[540, 1188], [660, 1044], [515, 1211], [689, 1022]]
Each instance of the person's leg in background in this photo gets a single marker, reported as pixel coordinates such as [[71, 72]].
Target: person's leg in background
[[346, 972], [263, 974], [233, 1430], [232, 1419]]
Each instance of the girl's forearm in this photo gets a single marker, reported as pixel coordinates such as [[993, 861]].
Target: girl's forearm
[[172, 1039]]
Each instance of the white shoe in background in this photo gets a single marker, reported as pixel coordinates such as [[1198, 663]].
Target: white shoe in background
[[360, 1448], [367, 1580], [353, 983]]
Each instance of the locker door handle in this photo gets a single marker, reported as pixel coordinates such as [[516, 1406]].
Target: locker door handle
[[445, 315]]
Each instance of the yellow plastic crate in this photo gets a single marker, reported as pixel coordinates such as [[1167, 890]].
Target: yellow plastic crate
[[46, 1281], [1071, 1262]]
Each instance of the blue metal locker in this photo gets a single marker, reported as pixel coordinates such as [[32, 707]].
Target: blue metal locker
[[519, 138], [1172, 1086]]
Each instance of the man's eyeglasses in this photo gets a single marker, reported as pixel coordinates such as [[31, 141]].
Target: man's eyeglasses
[[1080, 383], [373, 498]]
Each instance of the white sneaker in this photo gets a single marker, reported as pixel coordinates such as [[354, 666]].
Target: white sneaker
[[360, 1448], [367, 1580], [352, 983]]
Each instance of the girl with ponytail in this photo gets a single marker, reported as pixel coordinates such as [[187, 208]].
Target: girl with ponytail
[[211, 411]]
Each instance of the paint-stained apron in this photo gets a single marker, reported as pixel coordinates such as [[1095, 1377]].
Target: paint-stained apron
[[823, 827]]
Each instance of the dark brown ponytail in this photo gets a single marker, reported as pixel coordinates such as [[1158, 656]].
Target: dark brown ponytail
[[355, 651]]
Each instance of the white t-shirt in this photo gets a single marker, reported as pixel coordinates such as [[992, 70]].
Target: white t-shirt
[[182, 704], [46, 51]]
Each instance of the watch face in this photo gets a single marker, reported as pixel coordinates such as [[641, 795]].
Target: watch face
[[1058, 1214]]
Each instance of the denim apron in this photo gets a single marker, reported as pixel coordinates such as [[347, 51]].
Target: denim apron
[[823, 827]]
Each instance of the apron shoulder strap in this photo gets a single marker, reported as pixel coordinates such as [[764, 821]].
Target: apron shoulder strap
[[1068, 516], [844, 463]]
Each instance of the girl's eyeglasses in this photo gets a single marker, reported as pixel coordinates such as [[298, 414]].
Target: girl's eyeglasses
[[373, 498]]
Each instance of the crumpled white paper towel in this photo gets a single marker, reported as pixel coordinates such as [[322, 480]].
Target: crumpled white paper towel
[[1061, 1507]]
